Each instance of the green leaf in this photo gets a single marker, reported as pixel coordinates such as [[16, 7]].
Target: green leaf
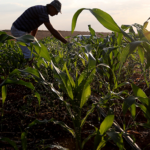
[[139, 30], [134, 45], [64, 80], [101, 144], [128, 50], [145, 101], [88, 138], [2, 32], [133, 111], [84, 89], [123, 84], [132, 31], [105, 19], [128, 102], [66, 127], [35, 122], [145, 110], [10, 142], [104, 65], [34, 72], [41, 61], [24, 140], [119, 39], [85, 95], [74, 19], [147, 56], [4, 37], [82, 77], [87, 114], [125, 27], [146, 46], [29, 70], [91, 31], [21, 43], [38, 97], [4, 94], [106, 124], [69, 110], [42, 51], [117, 138], [97, 138], [138, 91], [70, 78], [124, 54], [82, 59], [59, 94], [91, 61], [26, 39], [88, 48], [14, 81]]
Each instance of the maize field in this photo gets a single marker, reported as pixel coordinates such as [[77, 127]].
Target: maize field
[[91, 96]]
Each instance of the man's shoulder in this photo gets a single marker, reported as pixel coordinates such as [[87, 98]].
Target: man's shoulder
[[38, 6], [38, 9]]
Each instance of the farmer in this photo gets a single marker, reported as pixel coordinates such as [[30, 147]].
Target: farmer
[[32, 18]]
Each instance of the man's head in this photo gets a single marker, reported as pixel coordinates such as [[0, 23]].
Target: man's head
[[54, 7]]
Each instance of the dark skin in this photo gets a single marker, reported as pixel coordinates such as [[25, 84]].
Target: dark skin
[[52, 12]]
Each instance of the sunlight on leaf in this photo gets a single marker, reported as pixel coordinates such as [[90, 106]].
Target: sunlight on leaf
[[145, 31], [106, 124]]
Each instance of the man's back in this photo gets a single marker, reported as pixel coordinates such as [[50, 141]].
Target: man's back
[[32, 18]]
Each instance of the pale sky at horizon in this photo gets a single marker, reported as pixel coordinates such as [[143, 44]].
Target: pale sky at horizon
[[123, 12]]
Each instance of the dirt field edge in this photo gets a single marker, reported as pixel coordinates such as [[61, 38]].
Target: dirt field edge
[[44, 33]]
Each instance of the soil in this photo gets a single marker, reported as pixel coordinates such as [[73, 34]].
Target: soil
[[43, 33], [20, 110]]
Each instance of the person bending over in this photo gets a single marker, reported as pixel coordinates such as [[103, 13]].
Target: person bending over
[[32, 18]]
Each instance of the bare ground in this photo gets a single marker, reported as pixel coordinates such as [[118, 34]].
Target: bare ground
[[44, 33]]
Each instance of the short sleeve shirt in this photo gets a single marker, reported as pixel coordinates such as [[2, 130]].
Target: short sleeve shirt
[[32, 18]]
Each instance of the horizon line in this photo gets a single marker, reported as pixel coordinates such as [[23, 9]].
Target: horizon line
[[61, 30]]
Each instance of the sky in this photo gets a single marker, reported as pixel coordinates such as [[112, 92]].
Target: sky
[[125, 12]]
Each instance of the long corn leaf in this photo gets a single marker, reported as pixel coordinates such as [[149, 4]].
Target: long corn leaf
[[10, 142], [4, 94], [104, 18]]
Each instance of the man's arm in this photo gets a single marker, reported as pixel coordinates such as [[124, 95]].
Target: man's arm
[[33, 32], [55, 33]]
